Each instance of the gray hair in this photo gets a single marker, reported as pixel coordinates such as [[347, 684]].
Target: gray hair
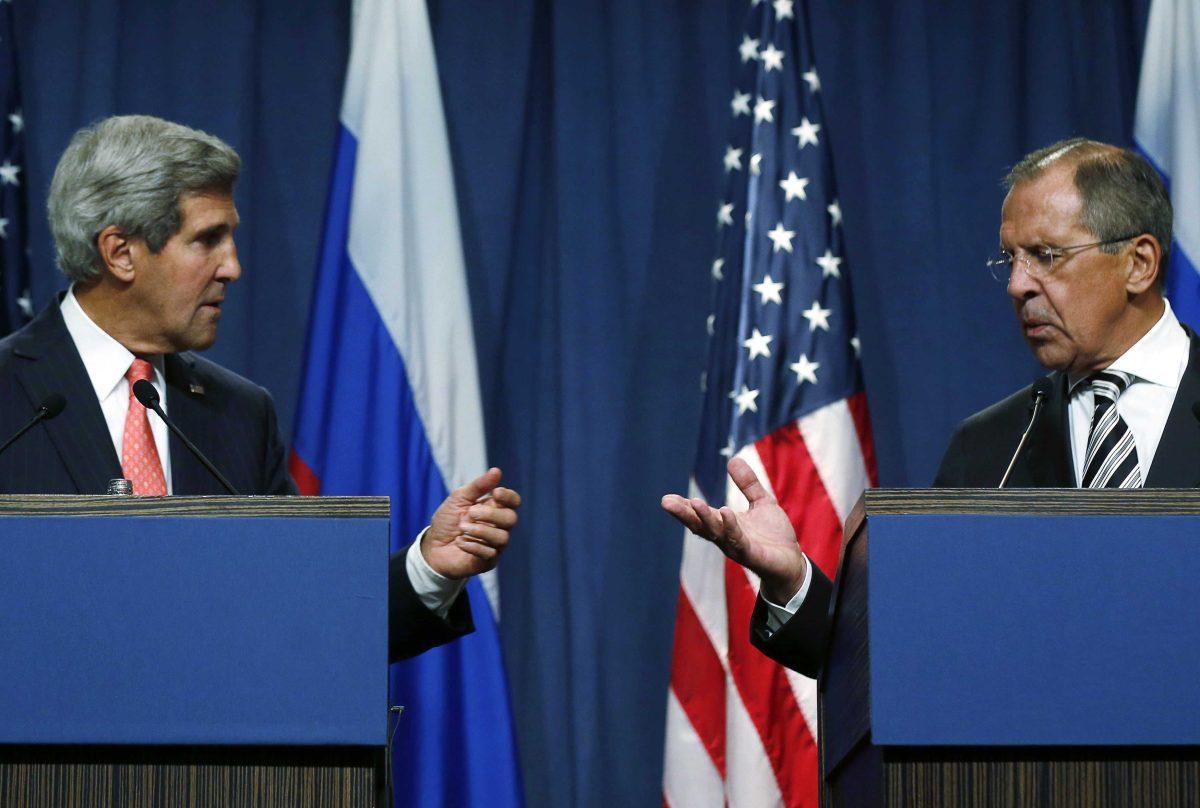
[[1122, 193], [130, 171]]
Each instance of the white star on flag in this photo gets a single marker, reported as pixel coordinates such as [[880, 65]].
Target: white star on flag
[[756, 164], [25, 302], [708, 325], [793, 187], [772, 58], [717, 266], [835, 213], [763, 111], [830, 265], [817, 317], [725, 214], [814, 82], [8, 173], [727, 451], [805, 370], [782, 237], [740, 103], [769, 291], [748, 49], [857, 346], [733, 159], [3, 228], [745, 400], [17, 120], [806, 132], [758, 344], [783, 9]]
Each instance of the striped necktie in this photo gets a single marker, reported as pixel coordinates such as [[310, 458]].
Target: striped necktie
[[1112, 460]]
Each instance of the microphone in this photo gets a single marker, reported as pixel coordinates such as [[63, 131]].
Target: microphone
[[148, 396], [51, 406], [1041, 389]]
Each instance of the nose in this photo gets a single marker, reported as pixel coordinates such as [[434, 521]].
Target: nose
[[230, 269], [1021, 285]]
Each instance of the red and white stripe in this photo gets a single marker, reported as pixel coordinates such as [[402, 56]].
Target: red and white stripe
[[742, 730]]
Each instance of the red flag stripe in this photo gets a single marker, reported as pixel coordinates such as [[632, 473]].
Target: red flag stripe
[[306, 480], [698, 680], [768, 699], [802, 495], [862, 424]]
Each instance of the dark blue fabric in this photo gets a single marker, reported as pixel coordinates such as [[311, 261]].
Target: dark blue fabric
[[587, 138]]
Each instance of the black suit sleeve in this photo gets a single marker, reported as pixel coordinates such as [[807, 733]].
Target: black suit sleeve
[[800, 642], [413, 628]]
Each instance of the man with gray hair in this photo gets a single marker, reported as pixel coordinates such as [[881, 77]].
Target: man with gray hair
[[143, 219], [1084, 236]]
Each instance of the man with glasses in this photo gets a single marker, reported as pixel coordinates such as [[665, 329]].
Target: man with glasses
[[1085, 232]]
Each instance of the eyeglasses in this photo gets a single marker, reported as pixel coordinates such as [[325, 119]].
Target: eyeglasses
[[1041, 260]]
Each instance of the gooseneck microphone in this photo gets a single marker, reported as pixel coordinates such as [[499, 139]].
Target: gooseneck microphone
[[146, 394], [51, 406], [1041, 389]]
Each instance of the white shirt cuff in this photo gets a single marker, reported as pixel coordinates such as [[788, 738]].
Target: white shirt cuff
[[778, 615], [436, 591]]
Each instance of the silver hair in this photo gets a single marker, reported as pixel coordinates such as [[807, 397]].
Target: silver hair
[[130, 171]]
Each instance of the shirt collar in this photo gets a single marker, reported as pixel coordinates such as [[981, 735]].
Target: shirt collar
[[1159, 357], [106, 360]]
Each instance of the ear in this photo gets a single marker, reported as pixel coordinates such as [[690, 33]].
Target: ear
[[116, 251], [1145, 261]]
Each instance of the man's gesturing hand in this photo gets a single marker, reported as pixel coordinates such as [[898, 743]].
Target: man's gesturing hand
[[760, 539], [470, 528]]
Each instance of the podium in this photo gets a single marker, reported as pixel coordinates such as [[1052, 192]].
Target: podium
[[1015, 648], [193, 651]]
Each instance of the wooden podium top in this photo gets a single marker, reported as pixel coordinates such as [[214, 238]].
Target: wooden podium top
[[208, 506]]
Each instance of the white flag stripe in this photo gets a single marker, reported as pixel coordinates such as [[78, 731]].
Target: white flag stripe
[[832, 442], [404, 229], [702, 577], [690, 778], [1168, 109], [749, 779], [805, 691]]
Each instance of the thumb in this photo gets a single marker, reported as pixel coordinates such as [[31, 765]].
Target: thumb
[[483, 484]]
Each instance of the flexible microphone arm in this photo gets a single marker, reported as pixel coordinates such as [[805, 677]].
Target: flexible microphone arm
[[51, 406], [146, 394], [1041, 389]]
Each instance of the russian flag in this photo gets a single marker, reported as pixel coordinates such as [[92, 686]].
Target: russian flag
[[390, 400], [1167, 130]]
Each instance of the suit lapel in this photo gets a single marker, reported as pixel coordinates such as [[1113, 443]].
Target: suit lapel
[[188, 406], [1049, 457], [80, 434], [1177, 459]]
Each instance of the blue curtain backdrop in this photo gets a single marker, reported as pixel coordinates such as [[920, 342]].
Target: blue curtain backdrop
[[587, 138]]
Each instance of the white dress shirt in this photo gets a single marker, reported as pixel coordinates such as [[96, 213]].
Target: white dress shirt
[[107, 361], [1157, 362]]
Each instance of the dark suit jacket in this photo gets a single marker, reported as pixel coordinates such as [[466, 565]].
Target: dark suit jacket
[[230, 419], [979, 452]]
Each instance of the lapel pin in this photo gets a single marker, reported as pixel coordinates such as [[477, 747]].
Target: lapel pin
[[196, 389]]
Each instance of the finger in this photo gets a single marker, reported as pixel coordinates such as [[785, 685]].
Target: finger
[[506, 497], [486, 534], [481, 485], [683, 512], [733, 528], [713, 523], [480, 551], [486, 512], [747, 481]]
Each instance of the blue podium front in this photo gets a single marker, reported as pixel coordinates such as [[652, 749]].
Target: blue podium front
[[192, 623]]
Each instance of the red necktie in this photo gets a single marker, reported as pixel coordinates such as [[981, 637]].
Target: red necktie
[[139, 457]]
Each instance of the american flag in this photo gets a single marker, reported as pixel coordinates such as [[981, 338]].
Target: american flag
[[16, 306], [783, 390]]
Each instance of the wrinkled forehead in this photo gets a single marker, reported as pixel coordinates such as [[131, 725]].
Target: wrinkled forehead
[[1047, 205]]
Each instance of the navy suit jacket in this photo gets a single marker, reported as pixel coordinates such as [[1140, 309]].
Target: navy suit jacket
[[229, 418], [979, 452]]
